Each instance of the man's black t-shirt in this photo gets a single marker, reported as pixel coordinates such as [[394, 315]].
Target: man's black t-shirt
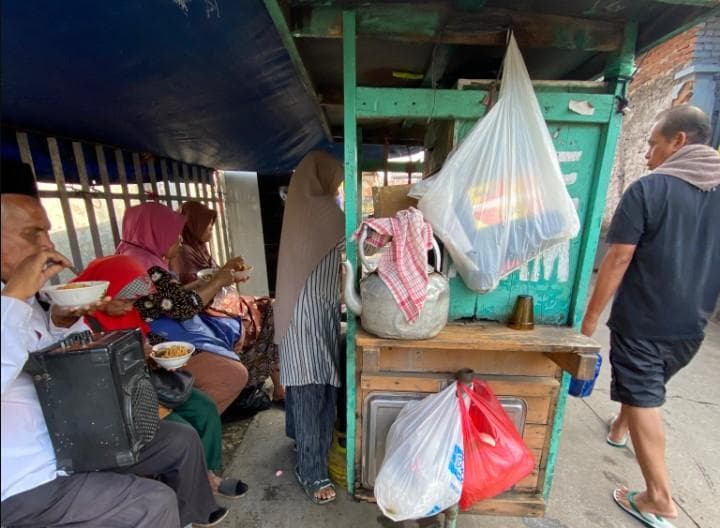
[[672, 284]]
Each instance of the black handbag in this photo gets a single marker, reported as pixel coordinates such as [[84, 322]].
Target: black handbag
[[173, 387]]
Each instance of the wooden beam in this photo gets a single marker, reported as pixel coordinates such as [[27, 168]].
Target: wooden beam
[[278, 19], [579, 365], [376, 103], [437, 23]]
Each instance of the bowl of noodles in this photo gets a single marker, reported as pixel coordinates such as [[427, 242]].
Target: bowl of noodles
[[76, 294], [172, 354]]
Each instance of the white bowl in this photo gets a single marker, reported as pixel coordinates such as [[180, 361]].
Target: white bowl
[[76, 293], [175, 362], [244, 274], [206, 274]]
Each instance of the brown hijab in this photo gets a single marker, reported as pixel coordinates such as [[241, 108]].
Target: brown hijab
[[313, 224], [194, 254]]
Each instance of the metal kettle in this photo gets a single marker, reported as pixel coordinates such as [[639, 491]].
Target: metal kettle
[[379, 312]]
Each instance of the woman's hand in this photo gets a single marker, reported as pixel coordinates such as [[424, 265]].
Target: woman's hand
[[117, 307], [235, 264], [63, 317], [224, 276]]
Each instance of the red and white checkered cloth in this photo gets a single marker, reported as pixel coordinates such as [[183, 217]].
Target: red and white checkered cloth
[[404, 266]]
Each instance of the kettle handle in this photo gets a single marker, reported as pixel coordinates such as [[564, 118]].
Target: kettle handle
[[367, 265]]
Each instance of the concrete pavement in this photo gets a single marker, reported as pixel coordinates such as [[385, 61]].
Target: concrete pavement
[[587, 470]]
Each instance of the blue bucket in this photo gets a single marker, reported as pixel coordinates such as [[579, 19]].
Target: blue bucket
[[583, 388]]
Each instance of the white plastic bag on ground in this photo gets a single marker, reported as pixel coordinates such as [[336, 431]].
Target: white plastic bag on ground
[[422, 472], [500, 199]]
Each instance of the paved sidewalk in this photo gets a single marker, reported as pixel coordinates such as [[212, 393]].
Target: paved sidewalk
[[587, 470]]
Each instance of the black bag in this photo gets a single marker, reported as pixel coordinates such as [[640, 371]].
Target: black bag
[[173, 387]]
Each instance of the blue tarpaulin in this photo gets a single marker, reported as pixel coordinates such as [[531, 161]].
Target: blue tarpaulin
[[207, 82]]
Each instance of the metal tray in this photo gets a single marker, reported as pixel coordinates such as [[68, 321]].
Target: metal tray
[[382, 408]]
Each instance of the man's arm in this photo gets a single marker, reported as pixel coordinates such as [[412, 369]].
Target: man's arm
[[15, 338], [610, 276]]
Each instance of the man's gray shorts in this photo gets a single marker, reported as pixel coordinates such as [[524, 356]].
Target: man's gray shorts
[[642, 367]]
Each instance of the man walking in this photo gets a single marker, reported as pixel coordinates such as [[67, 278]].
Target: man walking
[[663, 261]]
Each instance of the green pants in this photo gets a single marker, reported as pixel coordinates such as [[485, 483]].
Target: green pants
[[200, 413]]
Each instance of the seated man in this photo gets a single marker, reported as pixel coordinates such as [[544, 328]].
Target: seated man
[[34, 492]]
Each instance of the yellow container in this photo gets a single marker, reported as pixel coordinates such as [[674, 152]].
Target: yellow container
[[336, 459]]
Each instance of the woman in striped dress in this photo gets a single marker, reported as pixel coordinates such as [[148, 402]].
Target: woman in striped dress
[[307, 316]]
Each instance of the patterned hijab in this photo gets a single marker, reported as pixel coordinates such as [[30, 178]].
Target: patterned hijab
[[128, 282], [148, 232], [194, 254]]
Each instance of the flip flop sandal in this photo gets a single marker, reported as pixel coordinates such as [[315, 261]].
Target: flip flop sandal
[[648, 519], [216, 518], [231, 488], [622, 443], [311, 489]]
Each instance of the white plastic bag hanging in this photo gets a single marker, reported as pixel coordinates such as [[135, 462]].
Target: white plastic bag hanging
[[500, 199], [422, 472]]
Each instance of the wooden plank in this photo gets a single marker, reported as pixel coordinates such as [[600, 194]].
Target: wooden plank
[[579, 365], [483, 363], [153, 179], [351, 215], [204, 185], [186, 179], [370, 359], [89, 207], [513, 504], [105, 180], [529, 483], [139, 177], [419, 103], [165, 175], [196, 181], [521, 386], [64, 202], [534, 435], [437, 24], [122, 176], [489, 336]]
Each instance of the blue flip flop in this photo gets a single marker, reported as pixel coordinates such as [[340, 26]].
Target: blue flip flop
[[622, 443], [648, 519]]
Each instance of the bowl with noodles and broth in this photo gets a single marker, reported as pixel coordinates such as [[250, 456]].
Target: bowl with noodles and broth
[[75, 294], [172, 354]]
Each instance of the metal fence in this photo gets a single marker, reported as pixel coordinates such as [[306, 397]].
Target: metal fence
[[86, 188]]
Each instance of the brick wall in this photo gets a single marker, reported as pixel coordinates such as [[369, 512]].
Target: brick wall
[[655, 88]]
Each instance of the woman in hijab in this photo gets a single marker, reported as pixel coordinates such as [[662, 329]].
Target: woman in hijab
[[307, 316], [259, 353], [151, 234], [128, 283]]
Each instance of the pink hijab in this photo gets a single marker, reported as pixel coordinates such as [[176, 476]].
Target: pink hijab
[[148, 232]]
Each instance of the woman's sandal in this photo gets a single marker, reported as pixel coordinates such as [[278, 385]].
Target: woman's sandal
[[231, 488], [312, 489]]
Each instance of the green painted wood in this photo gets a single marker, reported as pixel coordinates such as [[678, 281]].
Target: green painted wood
[[555, 435], [591, 228], [278, 18], [419, 103], [603, 172], [469, 25], [351, 222]]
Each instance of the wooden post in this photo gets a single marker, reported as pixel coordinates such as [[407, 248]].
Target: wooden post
[[351, 211], [618, 66]]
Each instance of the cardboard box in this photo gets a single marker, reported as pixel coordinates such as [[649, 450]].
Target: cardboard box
[[389, 200]]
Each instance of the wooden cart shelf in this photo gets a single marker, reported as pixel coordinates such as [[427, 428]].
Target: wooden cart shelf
[[567, 348], [522, 364]]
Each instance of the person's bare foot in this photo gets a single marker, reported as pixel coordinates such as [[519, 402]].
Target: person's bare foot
[[326, 493], [278, 393], [214, 481], [645, 505], [618, 434]]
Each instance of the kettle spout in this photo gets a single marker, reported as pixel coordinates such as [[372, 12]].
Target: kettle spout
[[350, 296]]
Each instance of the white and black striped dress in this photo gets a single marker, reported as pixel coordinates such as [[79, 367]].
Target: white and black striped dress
[[309, 352]]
